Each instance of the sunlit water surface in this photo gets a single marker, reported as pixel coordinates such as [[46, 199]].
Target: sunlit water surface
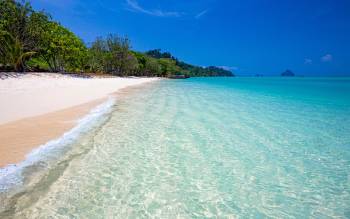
[[206, 148]]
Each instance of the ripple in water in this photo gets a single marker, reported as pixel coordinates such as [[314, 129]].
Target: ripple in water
[[205, 148]]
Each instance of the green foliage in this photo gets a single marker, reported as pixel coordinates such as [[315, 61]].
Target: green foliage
[[17, 38], [31, 40], [97, 56], [112, 55], [147, 66], [152, 67], [156, 53], [61, 49], [25, 33], [172, 66], [168, 67], [211, 71], [13, 52], [37, 64]]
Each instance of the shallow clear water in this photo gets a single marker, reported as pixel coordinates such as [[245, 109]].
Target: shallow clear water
[[203, 148]]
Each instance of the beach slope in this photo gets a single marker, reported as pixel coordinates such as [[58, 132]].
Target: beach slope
[[38, 107]]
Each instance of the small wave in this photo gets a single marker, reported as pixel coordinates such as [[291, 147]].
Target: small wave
[[11, 175]]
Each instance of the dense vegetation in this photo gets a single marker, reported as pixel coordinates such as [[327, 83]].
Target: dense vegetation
[[32, 41]]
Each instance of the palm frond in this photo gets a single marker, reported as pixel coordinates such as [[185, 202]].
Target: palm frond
[[19, 66]]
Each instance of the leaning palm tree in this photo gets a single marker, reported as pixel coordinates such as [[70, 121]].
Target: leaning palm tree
[[19, 33], [13, 51]]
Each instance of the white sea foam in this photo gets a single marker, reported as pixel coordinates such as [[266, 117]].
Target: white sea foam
[[11, 175]]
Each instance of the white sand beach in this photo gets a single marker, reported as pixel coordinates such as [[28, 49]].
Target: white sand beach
[[37, 107]]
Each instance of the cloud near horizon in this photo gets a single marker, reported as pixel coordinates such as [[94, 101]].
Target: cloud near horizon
[[133, 5], [327, 58], [201, 14], [229, 68]]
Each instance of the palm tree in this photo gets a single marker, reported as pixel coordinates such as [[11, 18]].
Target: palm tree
[[13, 51], [16, 37]]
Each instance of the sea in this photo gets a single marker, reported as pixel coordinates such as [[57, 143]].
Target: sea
[[268, 147]]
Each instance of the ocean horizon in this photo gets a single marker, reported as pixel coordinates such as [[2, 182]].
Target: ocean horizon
[[174, 109], [200, 148]]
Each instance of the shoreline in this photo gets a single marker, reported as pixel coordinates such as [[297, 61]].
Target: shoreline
[[27, 174], [19, 137]]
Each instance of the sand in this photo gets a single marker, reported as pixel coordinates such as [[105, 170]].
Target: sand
[[36, 108]]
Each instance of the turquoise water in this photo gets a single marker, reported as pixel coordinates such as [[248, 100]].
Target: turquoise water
[[207, 148]]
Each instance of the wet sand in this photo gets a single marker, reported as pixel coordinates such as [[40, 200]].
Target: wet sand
[[19, 138], [38, 108]]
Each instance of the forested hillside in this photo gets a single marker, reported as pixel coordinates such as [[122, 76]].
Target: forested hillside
[[32, 41]]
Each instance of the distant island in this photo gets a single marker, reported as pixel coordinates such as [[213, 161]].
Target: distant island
[[31, 41], [288, 73]]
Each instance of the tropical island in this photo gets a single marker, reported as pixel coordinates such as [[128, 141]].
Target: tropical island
[[80, 76], [91, 127], [32, 41], [287, 73]]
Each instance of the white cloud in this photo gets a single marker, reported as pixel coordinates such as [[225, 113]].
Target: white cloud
[[327, 58], [229, 68], [307, 61], [200, 14], [134, 6]]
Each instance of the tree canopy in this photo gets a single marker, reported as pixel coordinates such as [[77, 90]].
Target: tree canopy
[[31, 41]]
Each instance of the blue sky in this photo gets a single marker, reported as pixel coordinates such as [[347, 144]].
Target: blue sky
[[249, 37]]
